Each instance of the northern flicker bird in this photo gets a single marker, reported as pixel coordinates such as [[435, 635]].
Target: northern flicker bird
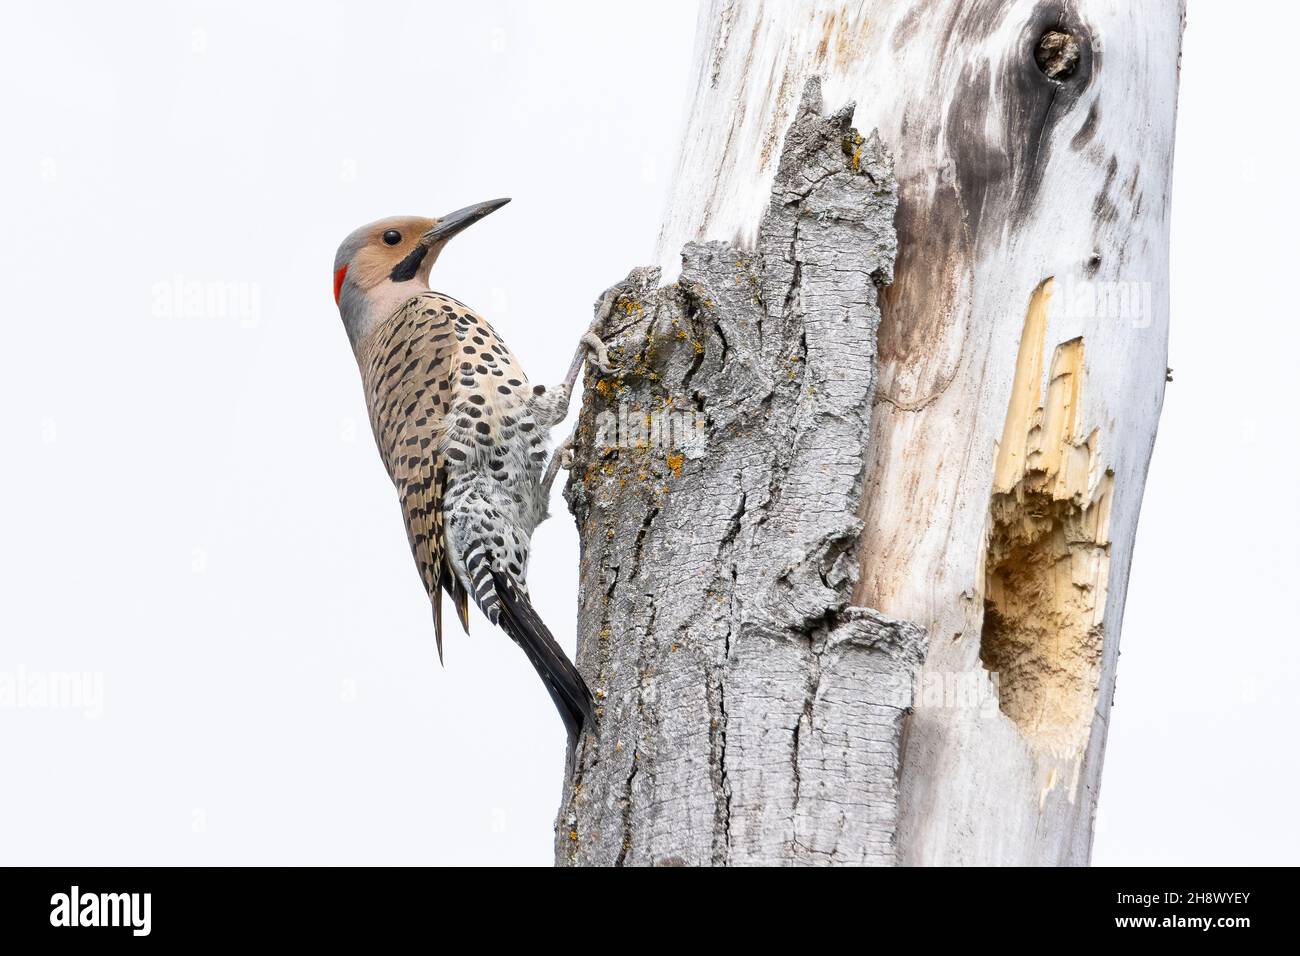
[[462, 433]]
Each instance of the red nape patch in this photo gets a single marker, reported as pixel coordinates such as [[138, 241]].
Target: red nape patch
[[339, 276]]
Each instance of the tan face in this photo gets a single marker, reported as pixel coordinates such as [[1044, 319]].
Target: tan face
[[387, 244], [381, 265]]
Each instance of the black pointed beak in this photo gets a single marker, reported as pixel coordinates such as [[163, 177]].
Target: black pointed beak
[[454, 222]]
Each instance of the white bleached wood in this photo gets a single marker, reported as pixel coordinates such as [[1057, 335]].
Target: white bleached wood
[[1008, 178]]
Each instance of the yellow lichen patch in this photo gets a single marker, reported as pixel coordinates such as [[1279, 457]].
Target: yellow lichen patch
[[675, 462], [851, 146], [1048, 551], [629, 306]]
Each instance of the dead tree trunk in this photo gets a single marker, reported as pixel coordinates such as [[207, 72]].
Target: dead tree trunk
[[749, 713], [964, 451]]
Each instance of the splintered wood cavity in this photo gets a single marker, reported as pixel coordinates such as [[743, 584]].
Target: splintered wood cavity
[[1048, 550]]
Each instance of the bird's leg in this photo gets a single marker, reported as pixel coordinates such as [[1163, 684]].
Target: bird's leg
[[562, 457], [590, 348]]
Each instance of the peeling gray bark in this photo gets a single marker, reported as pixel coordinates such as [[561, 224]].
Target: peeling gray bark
[[749, 714], [1021, 364]]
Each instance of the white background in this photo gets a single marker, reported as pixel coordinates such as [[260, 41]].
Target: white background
[[193, 507]]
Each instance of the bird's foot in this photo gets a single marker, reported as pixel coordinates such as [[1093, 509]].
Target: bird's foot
[[597, 353], [590, 349]]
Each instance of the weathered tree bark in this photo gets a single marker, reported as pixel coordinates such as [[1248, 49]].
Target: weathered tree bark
[[750, 714], [992, 436]]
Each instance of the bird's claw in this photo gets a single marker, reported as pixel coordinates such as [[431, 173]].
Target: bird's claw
[[597, 353]]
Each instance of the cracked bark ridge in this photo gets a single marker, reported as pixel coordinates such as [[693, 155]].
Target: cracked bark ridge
[[748, 713]]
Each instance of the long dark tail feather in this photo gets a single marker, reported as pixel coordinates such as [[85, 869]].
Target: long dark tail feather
[[563, 682], [460, 600], [460, 597], [437, 624]]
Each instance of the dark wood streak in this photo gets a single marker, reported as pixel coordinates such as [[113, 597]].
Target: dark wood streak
[[982, 182]]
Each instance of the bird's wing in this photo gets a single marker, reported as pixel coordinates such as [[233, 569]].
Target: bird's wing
[[408, 374], [420, 481]]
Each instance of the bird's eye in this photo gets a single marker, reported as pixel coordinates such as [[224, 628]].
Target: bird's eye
[[392, 237]]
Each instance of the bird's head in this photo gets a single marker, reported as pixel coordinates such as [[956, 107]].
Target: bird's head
[[381, 265]]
